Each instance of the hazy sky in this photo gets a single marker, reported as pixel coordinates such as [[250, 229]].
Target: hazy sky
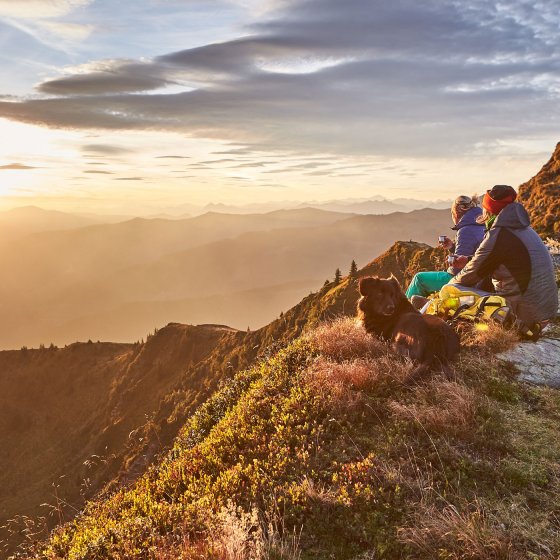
[[139, 106]]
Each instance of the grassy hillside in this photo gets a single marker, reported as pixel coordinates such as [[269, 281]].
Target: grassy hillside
[[67, 414], [326, 450]]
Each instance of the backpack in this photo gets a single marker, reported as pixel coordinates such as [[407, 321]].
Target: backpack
[[454, 303]]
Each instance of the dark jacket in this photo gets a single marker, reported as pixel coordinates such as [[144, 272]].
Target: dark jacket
[[469, 235], [519, 263]]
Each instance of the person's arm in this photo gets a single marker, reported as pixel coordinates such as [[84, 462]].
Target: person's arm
[[484, 262]]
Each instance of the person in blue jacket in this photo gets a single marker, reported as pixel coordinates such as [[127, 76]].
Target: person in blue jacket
[[470, 232]]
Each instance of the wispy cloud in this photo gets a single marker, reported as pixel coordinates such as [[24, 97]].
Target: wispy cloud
[[172, 157], [104, 149], [17, 166]]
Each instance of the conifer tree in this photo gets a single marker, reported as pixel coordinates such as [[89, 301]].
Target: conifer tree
[[353, 268], [337, 276]]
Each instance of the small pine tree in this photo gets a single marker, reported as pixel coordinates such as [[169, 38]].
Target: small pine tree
[[337, 276], [353, 268], [327, 282]]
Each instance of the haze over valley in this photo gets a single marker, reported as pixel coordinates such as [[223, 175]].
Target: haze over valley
[[119, 281]]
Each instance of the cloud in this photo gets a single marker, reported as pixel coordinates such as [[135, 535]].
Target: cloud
[[98, 172], [111, 76], [173, 157], [402, 79], [104, 149], [17, 166], [128, 178]]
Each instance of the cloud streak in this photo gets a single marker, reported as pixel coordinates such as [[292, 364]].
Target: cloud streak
[[16, 167]]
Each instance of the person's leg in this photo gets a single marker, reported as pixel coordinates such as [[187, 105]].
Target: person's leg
[[426, 283]]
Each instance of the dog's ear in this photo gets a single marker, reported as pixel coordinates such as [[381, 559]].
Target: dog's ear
[[367, 284], [395, 282]]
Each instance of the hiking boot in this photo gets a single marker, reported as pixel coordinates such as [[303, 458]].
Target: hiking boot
[[504, 316]]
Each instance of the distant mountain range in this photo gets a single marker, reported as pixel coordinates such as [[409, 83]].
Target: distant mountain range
[[373, 205], [118, 281]]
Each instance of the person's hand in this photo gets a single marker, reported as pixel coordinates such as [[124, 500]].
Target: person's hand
[[460, 261], [446, 243]]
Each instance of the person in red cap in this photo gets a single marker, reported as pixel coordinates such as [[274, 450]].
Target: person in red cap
[[516, 259]]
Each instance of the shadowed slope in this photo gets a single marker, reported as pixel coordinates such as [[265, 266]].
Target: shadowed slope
[[69, 415]]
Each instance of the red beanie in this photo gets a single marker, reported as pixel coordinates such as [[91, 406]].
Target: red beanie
[[497, 198]]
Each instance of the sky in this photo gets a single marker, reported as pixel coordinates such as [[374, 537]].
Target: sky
[[146, 106]]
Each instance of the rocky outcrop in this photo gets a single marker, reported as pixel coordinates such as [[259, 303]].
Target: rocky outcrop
[[541, 196], [539, 362]]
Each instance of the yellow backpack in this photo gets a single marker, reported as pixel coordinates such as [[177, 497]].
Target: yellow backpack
[[453, 303]]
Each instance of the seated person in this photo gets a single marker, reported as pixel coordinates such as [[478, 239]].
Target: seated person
[[516, 259], [465, 212]]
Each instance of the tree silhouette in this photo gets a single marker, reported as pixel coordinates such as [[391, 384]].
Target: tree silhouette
[[353, 268], [337, 276]]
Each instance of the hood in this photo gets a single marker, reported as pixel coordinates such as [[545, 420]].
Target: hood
[[469, 218], [512, 216]]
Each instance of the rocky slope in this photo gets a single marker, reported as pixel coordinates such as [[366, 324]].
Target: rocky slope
[[541, 196]]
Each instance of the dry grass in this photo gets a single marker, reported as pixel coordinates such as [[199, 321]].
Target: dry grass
[[443, 406], [346, 339], [342, 384], [351, 362], [453, 534], [486, 338], [318, 493], [253, 536]]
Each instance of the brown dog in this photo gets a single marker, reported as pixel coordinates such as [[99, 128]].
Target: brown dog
[[386, 313]]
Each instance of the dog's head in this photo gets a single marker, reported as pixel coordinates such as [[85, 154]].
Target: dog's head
[[380, 296]]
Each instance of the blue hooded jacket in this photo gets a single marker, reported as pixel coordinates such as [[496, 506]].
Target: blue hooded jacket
[[469, 234]]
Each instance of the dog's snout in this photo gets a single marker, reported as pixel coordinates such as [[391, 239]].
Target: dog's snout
[[389, 309]]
